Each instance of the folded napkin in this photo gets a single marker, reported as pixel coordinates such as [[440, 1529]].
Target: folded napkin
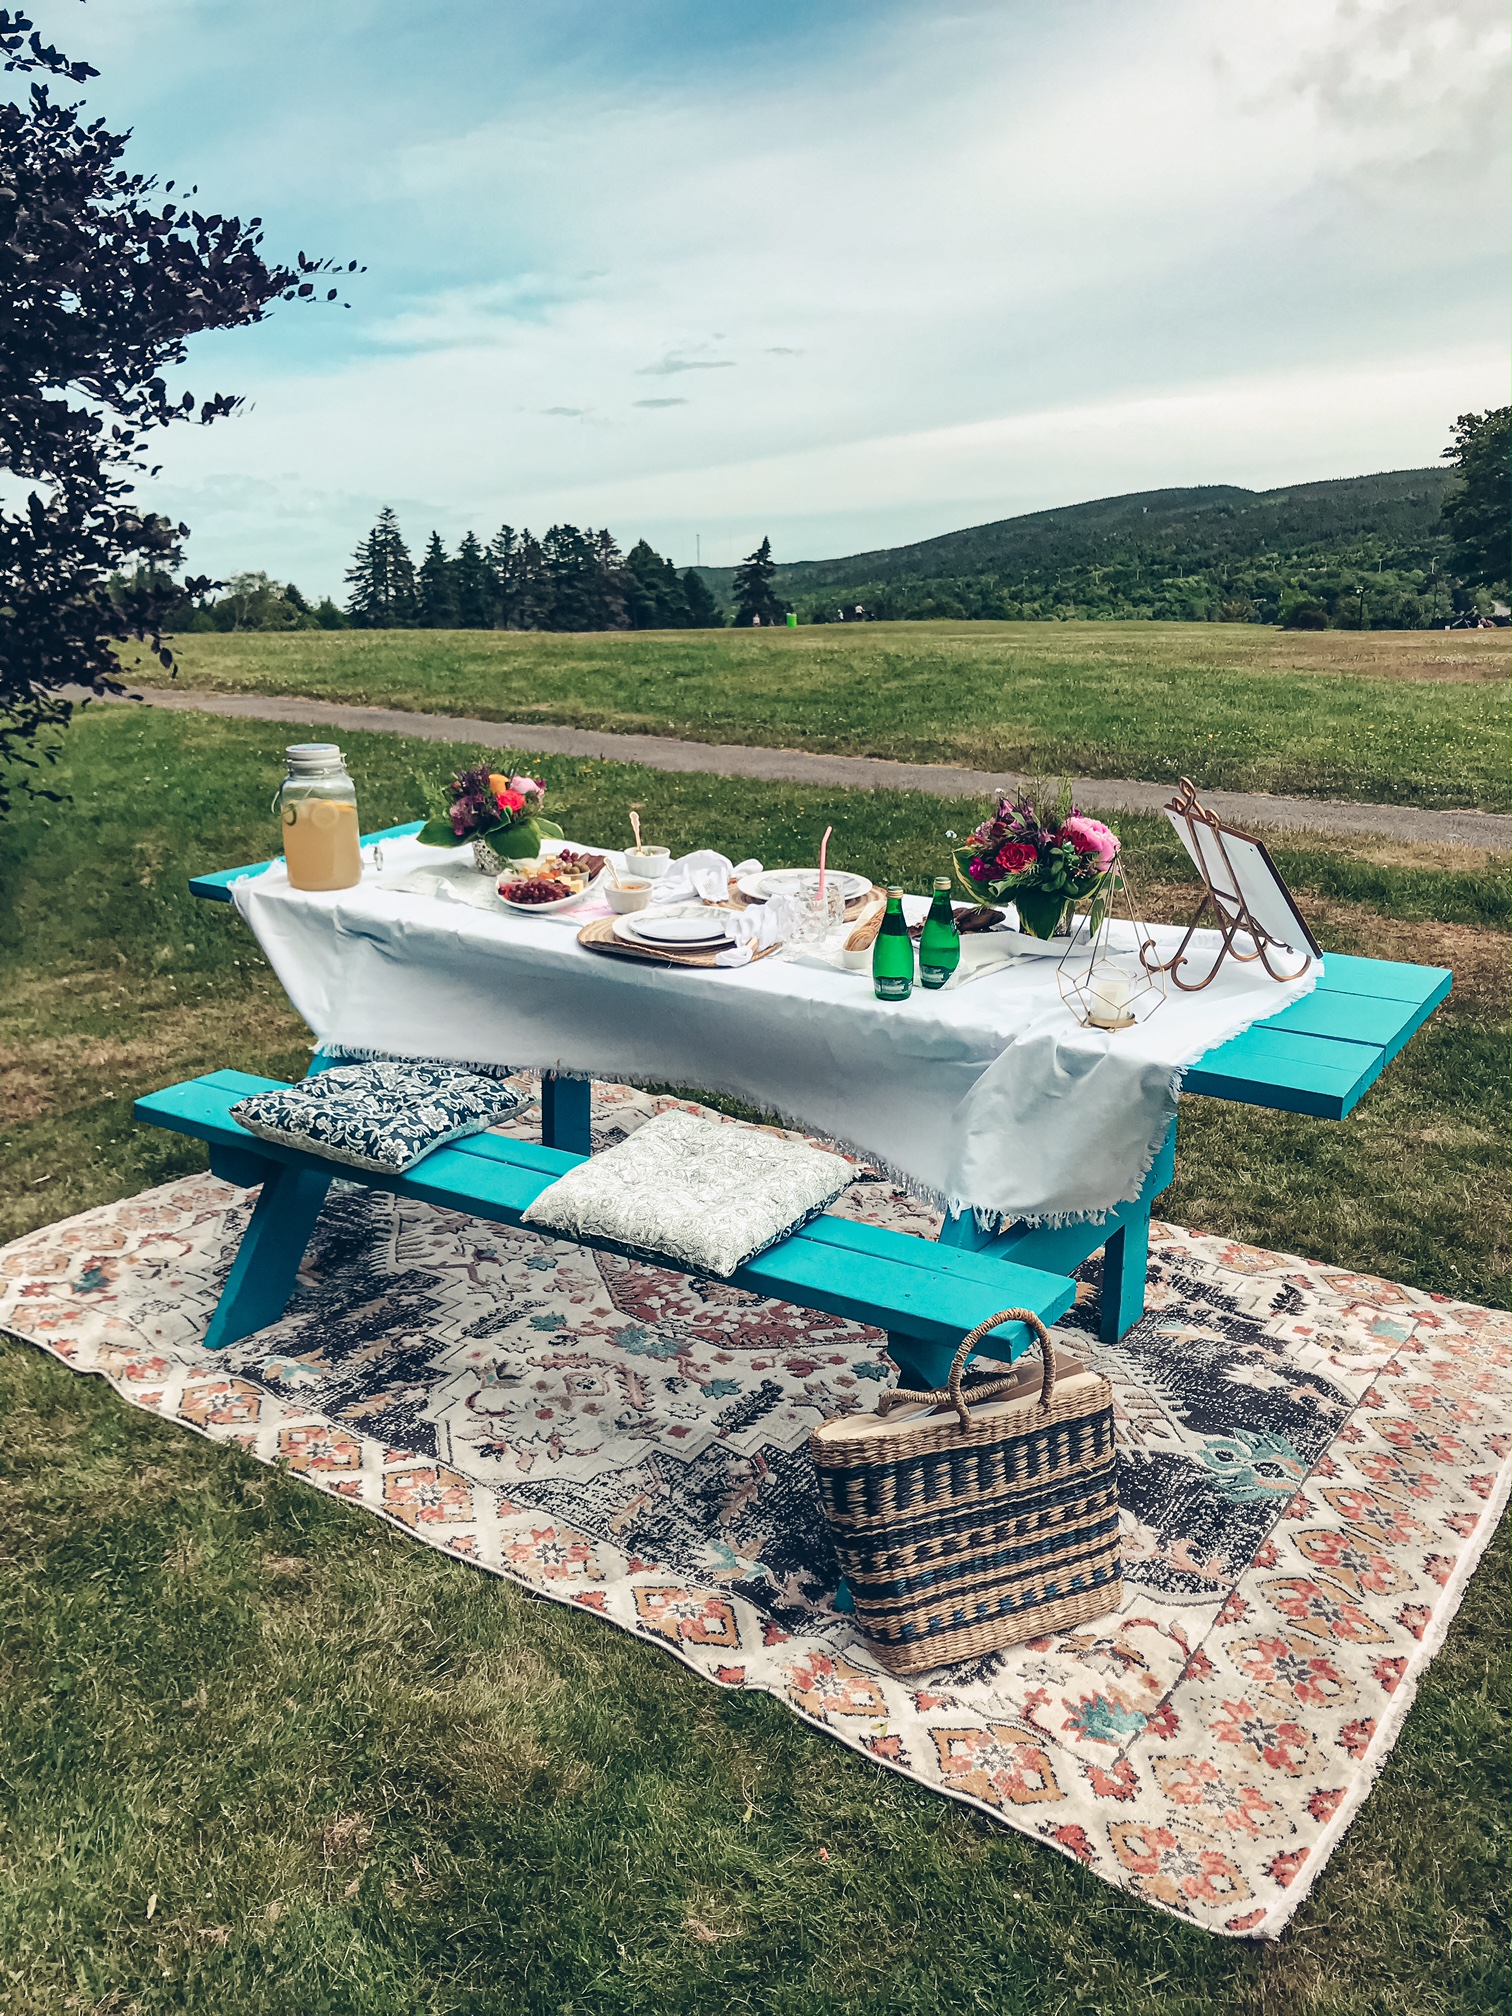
[[757, 929], [702, 875]]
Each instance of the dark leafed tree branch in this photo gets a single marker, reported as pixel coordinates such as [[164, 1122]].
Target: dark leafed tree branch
[[102, 283], [1478, 511]]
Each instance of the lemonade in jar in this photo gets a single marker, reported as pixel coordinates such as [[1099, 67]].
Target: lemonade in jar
[[317, 804]]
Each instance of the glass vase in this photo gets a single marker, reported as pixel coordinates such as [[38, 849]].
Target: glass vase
[[1041, 914]]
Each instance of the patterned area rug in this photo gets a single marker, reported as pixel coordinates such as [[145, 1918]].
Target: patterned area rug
[[1311, 1463]]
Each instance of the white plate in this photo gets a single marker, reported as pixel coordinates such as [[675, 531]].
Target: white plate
[[784, 881], [683, 934], [645, 944], [545, 909]]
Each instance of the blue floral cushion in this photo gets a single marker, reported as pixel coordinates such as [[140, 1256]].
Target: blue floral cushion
[[382, 1117]]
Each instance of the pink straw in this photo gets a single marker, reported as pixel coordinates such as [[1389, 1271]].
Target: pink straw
[[823, 846]]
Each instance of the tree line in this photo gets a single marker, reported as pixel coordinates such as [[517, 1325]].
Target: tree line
[[569, 579]]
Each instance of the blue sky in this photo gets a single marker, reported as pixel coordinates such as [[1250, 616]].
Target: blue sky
[[846, 274]]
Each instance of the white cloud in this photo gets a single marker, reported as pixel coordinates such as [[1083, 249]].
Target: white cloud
[[976, 263]]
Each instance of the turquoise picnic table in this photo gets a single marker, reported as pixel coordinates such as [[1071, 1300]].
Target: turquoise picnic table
[[1319, 1056]]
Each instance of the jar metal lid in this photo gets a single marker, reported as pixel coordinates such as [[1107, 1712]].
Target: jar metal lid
[[313, 755]]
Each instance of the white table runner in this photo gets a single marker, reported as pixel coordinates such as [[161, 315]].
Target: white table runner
[[988, 1096]]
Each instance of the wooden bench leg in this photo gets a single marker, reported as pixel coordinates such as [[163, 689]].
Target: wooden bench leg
[[1126, 1258], [565, 1107], [904, 1352], [263, 1273]]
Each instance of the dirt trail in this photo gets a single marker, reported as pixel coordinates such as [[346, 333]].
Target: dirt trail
[[1490, 831]]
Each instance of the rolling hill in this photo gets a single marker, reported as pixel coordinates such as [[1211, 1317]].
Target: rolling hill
[[1216, 552]]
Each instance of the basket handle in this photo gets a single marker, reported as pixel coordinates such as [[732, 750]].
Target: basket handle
[[951, 1391]]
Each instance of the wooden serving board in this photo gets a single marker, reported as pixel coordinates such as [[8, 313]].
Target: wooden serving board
[[599, 937]]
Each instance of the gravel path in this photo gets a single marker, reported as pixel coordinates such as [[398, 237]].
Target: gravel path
[[1491, 831]]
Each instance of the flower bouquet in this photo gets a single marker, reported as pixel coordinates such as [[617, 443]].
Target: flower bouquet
[[498, 813], [1043, 855]]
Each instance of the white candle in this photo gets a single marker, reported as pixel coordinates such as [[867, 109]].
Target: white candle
[[1112, 990]]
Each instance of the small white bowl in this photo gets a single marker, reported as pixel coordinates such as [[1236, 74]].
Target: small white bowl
[[652, 862], [627, 897], [856, 962]]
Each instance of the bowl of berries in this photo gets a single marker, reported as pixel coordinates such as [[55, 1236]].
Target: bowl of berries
[[554, 882]]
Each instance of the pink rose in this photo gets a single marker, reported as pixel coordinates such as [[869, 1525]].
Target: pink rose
[[1090, 836], [526, 784]]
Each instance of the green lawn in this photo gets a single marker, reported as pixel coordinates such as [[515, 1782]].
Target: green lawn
[[1416, 717], [258, 1754]]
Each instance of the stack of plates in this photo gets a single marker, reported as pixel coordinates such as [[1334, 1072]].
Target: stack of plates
[[688, 929]]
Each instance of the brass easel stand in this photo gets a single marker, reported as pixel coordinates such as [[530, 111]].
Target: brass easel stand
[[1229, 910]]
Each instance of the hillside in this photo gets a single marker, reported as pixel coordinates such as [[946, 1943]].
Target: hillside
[[1216, 552]]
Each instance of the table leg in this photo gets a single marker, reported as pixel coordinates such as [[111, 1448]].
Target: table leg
[[263, 1273], [565, 1107], [1126, 1257], [1060, 1249]]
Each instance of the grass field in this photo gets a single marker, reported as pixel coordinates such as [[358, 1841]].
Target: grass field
[[1410, 717], [358, 1777]]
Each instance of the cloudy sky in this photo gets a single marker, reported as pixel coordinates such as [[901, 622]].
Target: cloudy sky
[[846, 273]]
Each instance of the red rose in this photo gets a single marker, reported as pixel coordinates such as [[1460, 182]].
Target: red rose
[[511, 801], [1016, 856]]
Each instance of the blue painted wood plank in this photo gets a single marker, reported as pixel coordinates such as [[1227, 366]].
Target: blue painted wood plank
[[847, 1236], [1344, 1018], [1384, 979], [215, 886], [1291, 1073]]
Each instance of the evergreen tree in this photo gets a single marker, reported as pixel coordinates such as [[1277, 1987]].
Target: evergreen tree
[[1476, 511], [703, 610], [503, 558], [472, 586], [382, 578], [654, 597], [438, 608], [608, 582], [676, 615], [535, 595], [569, 564], [756, 598]]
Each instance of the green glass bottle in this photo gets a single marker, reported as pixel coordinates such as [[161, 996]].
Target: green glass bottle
[[940, 942], [893, 953]]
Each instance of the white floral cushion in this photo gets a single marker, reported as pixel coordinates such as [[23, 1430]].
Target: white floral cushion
[[702, 1194], [382, 1117]]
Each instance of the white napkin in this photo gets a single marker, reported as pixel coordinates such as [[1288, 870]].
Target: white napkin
[[704, 874], [754, 930]]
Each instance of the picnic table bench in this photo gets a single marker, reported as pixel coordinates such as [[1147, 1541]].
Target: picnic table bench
[[1318, 1056], [925, 1296]]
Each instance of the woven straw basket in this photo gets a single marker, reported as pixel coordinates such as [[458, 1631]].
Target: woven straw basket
[[989, 1518]]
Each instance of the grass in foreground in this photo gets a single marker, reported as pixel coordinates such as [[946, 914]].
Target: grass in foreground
[[357, 1777], [1411, 717]]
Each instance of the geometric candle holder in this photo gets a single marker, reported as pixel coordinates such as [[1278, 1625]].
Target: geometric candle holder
[[1105, 979]]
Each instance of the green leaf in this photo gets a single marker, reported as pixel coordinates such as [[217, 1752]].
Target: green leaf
[[437, 833], [522, 840]]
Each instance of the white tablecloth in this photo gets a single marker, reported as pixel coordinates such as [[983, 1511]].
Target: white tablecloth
[[988, 1096]]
